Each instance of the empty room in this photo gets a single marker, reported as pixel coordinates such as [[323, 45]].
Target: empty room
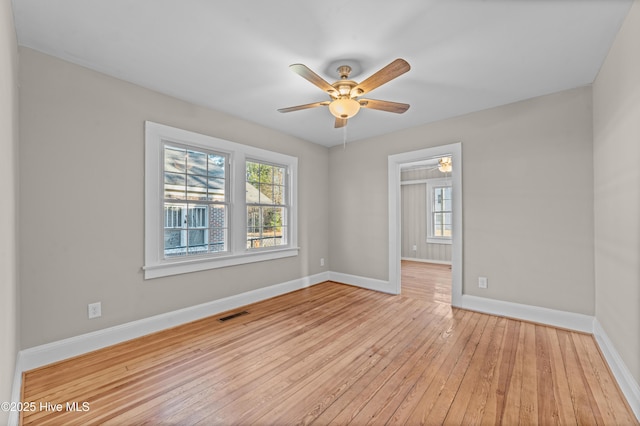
[[288, 212]]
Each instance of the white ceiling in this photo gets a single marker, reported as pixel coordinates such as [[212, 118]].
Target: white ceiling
[[233, 56]]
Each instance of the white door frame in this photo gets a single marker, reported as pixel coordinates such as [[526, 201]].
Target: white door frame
[[396, 162]]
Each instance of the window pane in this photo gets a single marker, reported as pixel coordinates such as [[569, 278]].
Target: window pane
[[437, 199], [253, 173], [197, 240], [194, 175], [172, 239], [196, 163], [197, 217], [174, 186], [172, 216], [278, 175], [216, 165], [265, 226], [266, 173], [447, 193], [218, 240], [278, 194], [218, 217], [266, 194], [174, 229], [194, 229], [196, 187], [175, 159], [216, 189]]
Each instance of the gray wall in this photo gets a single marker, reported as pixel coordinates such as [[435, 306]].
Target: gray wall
[[414, 218], [82, 199], [616, 94], [527, 199], [9, 325]]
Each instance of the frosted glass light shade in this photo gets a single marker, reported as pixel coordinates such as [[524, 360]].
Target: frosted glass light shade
[[344, 108]]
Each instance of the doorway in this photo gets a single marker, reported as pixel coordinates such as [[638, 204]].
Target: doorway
[[396, 164]]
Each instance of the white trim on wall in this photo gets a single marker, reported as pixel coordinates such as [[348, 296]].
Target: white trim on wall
[[437, 262], [362, 282], [629, 387], [552, 317]]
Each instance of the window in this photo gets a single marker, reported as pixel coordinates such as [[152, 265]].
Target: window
[[439, 211], [211, 203], [267, 208]]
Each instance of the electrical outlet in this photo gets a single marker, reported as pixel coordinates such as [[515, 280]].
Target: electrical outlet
[[414, 248], [322, 261], [483, 282], [95, 310]]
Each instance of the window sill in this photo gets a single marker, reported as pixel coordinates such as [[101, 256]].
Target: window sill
[[439, 241], [184, 266]]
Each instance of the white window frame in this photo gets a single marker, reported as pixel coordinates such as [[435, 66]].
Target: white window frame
[[155, 263], [431, 185]]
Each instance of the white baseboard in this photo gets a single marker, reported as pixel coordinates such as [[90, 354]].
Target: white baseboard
[[562, 319], [52, 352], [363, 282], [28, 359], [630, 388], [437, 262]]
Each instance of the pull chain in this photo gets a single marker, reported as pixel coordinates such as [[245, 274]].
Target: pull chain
[[344, 137]]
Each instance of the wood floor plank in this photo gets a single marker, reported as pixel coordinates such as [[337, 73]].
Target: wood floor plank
[[336, 354], [500, 385], [561, 388], [439, 395], [514, 379], [402, 340], [611, 404]]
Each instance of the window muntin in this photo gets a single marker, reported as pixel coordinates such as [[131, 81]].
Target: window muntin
[[195, 201], [267, 206]]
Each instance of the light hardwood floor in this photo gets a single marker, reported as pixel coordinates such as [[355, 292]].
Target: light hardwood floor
[[335, 354]]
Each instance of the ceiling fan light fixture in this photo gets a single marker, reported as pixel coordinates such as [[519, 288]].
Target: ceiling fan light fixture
[[344, 108], [444, 164]]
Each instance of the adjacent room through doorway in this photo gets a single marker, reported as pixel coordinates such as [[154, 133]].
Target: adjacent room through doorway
[[425, 219]]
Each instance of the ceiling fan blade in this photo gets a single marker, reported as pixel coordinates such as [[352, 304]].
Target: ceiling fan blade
[[388, 106], [305, 106], [314, 78], [386, 74], [340, 122]]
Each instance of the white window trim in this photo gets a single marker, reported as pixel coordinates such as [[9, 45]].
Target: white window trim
[[155, 265], [431, 184]]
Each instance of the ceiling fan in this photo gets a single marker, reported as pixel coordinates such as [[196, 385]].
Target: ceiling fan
[[344, 93]]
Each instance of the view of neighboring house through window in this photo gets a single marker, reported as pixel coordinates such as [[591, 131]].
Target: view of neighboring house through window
[[195, 202], [212, 203], [439, 212], [266, 203]]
